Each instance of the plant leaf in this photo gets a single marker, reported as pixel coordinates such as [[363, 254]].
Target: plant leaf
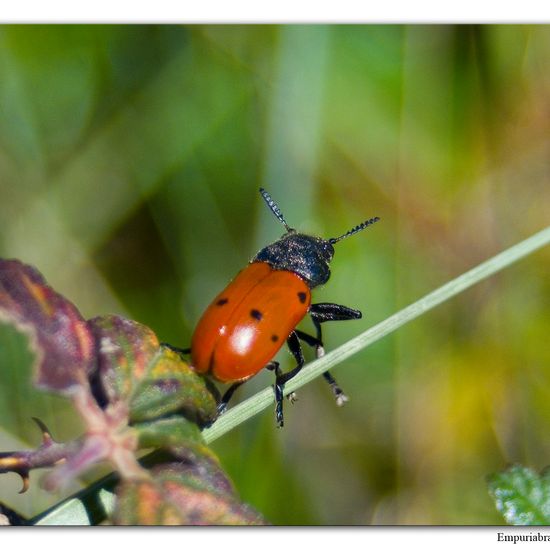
[[189, 490], [59, 336], [165, 433], [125, 348], [172, 386], [153, 379], [522, 496]]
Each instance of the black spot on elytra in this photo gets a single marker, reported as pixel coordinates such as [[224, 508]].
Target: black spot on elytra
[[302, 297], [222, 301], [274, 337], [254, 313]]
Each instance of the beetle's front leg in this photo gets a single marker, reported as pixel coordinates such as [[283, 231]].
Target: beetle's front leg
[[320, 313]]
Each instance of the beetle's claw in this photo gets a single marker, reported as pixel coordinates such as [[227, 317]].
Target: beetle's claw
[[341, 399]]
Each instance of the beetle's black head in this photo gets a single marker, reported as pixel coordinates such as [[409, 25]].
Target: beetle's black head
[[307, 256]]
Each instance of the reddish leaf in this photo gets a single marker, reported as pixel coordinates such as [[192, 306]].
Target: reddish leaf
[[125, 349], [117, 374], [153, 380], [59, 335], [190, 491]]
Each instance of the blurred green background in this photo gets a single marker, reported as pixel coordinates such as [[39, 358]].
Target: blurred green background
[[130, 158]]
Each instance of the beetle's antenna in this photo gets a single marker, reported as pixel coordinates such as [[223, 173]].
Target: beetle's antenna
[[274, 208], [356, 229]]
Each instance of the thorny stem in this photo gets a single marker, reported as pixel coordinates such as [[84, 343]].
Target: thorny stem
[[47, 455], [108, 436]]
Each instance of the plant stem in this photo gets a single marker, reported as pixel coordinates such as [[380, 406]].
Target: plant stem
[[265, 398]]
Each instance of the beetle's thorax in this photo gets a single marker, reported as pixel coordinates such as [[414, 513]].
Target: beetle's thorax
[[307, 256]]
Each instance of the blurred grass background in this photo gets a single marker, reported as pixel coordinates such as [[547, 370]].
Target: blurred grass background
[[130, 158]]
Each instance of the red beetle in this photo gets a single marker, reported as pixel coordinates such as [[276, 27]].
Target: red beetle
[[247, 323]]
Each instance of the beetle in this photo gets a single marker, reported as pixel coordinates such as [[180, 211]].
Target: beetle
[[249, 321]]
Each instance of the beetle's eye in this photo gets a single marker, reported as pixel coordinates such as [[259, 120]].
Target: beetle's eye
[[328, 250]]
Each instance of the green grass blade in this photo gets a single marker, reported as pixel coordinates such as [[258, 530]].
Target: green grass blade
[[263, 399], [90, 507]]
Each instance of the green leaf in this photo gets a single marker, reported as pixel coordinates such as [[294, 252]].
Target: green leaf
[[170, 385], [168, 432], [522, 496]]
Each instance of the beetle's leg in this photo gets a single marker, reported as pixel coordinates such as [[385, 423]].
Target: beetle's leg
[[274, 366], [282, 378], [337, 391], [310, 341], [339, 395], [333, 312], [321, 313], [222, 405]]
